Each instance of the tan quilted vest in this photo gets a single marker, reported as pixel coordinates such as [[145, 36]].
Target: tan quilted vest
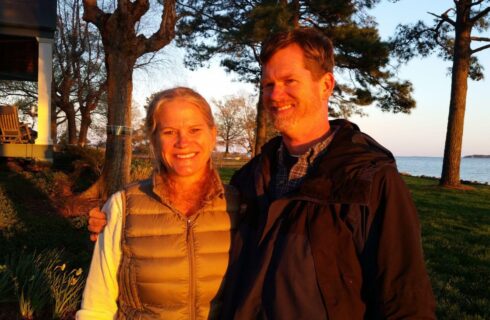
[[172, 267]]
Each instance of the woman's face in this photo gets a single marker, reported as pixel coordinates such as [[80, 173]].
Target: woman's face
[[184, 139]]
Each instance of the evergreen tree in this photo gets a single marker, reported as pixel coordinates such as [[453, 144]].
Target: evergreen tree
[[234, 30], [451, 35]]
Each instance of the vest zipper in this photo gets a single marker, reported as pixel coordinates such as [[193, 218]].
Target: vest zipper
[[192, 280]]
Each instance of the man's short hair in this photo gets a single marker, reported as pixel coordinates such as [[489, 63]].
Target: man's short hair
[[317, 49]]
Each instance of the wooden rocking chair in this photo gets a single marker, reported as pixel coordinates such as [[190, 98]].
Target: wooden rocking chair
[[11, 130]]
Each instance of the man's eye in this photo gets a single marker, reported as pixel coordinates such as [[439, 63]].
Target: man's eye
[[168, 132], [195, 130], [290, 81]]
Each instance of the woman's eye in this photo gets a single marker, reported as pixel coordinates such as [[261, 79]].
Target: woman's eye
[[167, 132]]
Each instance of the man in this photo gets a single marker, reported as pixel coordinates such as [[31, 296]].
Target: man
[[330, 231]]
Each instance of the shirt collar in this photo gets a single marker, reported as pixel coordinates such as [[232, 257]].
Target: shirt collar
[[313, 152]]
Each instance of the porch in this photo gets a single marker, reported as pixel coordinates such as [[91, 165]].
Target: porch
[[26, 39]]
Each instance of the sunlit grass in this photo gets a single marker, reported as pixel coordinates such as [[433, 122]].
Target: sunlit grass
[[456, 241]]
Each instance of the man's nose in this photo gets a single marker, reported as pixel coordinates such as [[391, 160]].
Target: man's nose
[[276, 92]]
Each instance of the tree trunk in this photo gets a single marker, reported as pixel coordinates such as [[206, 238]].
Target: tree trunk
[[71, 129], [84, 125], [457, 105], [227, 148], [53, 124], [122, 46], [261, 136], [116, 171]]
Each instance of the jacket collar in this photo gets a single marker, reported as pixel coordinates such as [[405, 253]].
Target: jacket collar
[[344, 173]]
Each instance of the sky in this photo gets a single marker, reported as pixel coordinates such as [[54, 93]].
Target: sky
[[420, 133]]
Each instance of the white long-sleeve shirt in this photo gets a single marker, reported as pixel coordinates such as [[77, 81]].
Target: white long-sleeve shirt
[[101, 290]]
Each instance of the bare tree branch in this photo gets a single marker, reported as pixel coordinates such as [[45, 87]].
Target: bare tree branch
[[139, 8], [480, 15], [92, 13], [444, 17], [476, 3], [480, 49], [164, 34], [483, 39]]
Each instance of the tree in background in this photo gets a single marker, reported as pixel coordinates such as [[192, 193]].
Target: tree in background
[[123, 45], [228, 121], [451, 35], [234, 30], [248, 122], [79, 73], [236, 121]]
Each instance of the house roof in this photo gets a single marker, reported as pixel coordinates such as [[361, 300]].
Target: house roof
[[31, 18], [21, 22]]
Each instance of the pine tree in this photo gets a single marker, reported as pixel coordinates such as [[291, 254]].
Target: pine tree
[[234, 31], [451, 35]]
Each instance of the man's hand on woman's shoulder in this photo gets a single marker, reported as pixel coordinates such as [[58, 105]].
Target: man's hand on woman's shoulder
[[96, 222]]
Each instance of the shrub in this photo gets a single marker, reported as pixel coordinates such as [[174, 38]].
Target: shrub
[[7, 293], [83, 164], [9, 221], [29, 283], [52, 184], [39, 281], [141, 169]]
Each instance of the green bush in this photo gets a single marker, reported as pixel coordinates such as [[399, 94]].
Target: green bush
[[82, 164], [9, 221], [50, 183]]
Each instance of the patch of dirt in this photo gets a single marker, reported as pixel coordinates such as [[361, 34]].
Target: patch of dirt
[[464, 187], [75, 206]]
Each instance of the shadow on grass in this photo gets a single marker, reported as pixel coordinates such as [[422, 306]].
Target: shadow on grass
[[38, 224]]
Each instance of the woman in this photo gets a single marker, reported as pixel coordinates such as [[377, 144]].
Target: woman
[[164, 251]]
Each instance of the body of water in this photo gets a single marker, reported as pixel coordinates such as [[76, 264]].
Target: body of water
[[472, 169]]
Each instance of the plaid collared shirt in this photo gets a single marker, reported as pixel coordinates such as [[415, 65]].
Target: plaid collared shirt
[[286, 180]]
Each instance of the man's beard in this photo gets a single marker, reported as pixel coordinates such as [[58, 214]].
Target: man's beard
[[283, 123]]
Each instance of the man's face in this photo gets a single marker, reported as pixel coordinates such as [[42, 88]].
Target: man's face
[[295, 101]]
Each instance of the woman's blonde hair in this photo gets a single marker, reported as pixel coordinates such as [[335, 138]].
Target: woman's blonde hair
[[158, 100]]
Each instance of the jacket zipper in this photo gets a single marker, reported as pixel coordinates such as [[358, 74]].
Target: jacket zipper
[[192, 280]]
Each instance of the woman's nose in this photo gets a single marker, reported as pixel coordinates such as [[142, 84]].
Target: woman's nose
[[182, 140]]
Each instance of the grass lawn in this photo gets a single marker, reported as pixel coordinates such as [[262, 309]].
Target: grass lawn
[[456, 241], [455, 231]]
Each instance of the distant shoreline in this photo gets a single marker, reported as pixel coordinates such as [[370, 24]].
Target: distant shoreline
[[471, 169], [474, 156], [480, 156], [422, 176]]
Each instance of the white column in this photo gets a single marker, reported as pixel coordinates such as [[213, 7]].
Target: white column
[[44, 77]]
